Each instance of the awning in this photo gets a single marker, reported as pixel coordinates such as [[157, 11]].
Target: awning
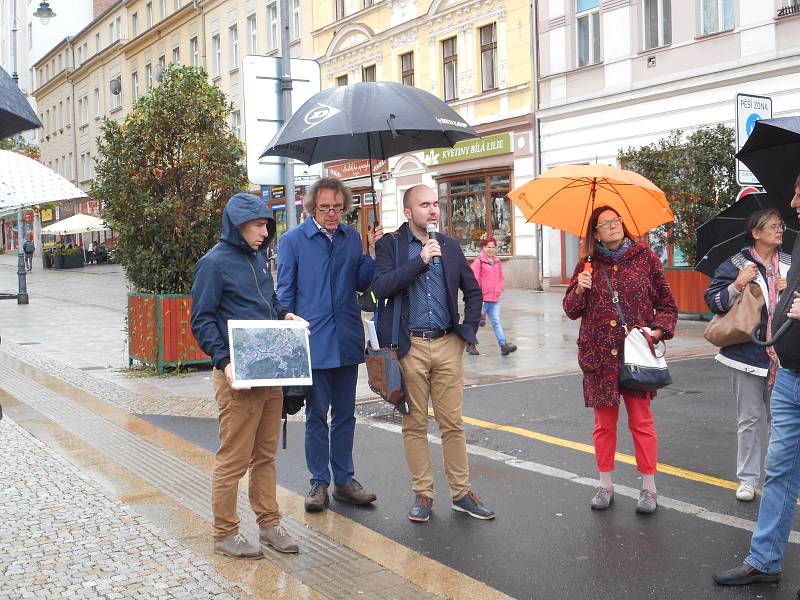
[[79, 223], [27, 182]]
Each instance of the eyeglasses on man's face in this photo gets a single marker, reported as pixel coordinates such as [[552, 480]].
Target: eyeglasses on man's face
[[776, 226], [325, 209], [610, 223]]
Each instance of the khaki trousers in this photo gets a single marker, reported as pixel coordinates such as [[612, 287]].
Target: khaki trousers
[[435, 369], [249, 429]]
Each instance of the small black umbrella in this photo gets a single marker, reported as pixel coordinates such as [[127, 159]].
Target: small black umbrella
[[16, 114], [772, 153], [372, 120], [725, 235]]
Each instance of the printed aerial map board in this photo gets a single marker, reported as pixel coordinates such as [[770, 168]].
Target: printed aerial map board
[[269, 353]]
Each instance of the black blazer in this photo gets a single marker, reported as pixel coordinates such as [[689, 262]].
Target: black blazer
[[389, 281], [788, 347]]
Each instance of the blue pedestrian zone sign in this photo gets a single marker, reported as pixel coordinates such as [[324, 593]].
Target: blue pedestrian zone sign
[[749, 110]]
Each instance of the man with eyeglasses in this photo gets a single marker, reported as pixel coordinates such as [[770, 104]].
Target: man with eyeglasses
[[321, 267]]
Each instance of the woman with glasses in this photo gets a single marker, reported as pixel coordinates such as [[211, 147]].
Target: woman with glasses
[[618, 269], [752, 368]]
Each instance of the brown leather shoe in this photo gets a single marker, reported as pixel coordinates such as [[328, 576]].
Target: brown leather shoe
[[353, 492], [317, 498]]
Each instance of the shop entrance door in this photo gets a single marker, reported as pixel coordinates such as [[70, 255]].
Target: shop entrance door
[[570, 255], [363, 213]]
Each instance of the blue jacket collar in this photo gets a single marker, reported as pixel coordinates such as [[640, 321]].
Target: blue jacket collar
[[310, 228]]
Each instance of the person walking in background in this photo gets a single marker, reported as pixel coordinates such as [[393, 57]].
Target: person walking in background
[[778, 506], [430, 345], [321, 267], [232, 281], [752, 367], [29, 248], [636, 276], [489, 272]]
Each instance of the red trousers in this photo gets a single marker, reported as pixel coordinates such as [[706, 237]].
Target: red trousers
[[640, 423]]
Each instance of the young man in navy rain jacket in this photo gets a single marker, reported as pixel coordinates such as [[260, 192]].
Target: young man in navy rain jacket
[[233, 281]]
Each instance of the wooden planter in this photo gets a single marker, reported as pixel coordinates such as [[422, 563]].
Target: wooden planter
[[159, 333], [688, 287]]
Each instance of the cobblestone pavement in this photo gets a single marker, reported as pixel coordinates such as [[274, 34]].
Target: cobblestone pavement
[[62, 537]]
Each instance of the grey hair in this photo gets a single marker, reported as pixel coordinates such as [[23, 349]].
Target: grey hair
[[327, 183], [758, 220]]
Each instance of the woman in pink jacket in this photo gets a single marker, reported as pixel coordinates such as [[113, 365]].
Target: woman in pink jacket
[[489, 273]]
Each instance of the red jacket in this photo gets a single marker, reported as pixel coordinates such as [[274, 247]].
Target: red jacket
[[646, 301], [489, 276]]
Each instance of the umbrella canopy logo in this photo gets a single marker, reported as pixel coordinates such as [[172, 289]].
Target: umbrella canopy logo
[[318, 114]]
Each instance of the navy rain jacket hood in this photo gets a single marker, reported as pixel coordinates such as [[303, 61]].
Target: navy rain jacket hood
[[233, 281]]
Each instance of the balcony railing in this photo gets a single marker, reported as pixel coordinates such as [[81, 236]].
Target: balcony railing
[[793, 8]]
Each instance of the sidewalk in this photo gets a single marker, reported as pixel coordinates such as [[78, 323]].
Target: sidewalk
[[77, 318]]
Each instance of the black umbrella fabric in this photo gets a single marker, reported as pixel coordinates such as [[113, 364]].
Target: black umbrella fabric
[[772, 153], [372, 120], [725, 235], [16, 115]]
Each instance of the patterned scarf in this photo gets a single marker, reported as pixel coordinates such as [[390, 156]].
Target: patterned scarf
[[773, 272], [615, 255]]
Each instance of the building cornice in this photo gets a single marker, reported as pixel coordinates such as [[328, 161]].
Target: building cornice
[[349, 19], [160, 30]]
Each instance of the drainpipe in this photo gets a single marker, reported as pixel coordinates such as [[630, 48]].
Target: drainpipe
[[537, 147], [75, 123]]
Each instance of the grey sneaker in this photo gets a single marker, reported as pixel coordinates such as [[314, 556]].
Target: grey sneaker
[[647, 504], [278, 538], [237, 546], [602, 499], [317, 498]]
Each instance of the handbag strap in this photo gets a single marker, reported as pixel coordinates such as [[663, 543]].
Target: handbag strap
[[615, 302]]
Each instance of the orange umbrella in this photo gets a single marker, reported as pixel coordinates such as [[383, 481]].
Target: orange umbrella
[[565, 196]]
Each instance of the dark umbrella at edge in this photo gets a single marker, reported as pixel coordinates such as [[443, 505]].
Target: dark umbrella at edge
[[772, 153], [16, 114]]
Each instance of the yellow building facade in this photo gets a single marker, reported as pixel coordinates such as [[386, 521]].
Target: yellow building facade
[[474, 54]]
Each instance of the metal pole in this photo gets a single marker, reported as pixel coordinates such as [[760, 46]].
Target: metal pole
[[22, 292], [286, 112], [537, 147]]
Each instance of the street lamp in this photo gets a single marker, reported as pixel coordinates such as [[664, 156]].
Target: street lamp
[[44, 12]]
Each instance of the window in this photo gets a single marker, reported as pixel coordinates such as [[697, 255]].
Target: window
[[233, 38], [216, 53], [97, 42], [97, 108], [30, 36], [587, 13], [118, 23], [194, 52], [60, 114], [295, 33], [236, 123], [134, 24], [162, 64], [135, 85], [407, 68], [341, 80], [148, 77], [83, 110], [111, 33], [80, 56], [368, 3], [68, 168], [716, 15], [162, 6], [86, 172], [47, 72], [450, 68], [657, 27], [489, 56], [116, 99], [368, 73], [176, 4], [148, 11], [272, 26], [176, 55], [252, 35], [469, 204], [339, 9], [67, 113]]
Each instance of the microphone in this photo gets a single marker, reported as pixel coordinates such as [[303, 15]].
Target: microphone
[[432, 235]]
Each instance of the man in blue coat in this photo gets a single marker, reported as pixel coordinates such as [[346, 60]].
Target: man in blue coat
[[233, 281], [321, 267]]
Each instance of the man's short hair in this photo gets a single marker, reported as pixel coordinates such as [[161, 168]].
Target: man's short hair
[[410, 192], [327, 183], [797, 181]]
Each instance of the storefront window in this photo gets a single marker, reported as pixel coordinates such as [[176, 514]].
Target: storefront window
[[469, 204]]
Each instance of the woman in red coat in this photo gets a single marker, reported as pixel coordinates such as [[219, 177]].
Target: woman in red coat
[[636, 276]]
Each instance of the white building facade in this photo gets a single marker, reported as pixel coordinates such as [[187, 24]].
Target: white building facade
[[616, 74]]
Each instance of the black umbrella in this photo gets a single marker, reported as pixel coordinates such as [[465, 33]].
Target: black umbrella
[[16, 114], [772, 153], [725, 235], [372, 120]]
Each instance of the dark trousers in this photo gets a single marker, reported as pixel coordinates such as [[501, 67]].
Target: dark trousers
[[29, 261], [331, 449]]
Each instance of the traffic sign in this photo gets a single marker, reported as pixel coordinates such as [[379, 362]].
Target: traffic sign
[[749, 109], [745, 191], [262, 113]]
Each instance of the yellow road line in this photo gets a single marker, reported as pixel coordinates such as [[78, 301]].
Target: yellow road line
[[623, 458]]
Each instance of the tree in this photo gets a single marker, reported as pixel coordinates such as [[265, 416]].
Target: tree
[[164, 175], [697, 174], [29, 150]]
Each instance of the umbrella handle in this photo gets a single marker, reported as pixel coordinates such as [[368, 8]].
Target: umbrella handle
[[756, 333]]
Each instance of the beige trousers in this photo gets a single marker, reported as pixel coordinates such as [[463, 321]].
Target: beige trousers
[[435, 369], [249, 429]]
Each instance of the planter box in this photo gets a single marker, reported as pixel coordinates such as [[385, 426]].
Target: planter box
[[47, 260], [159, 332], [688, 288], [73, 261], [58, 261]]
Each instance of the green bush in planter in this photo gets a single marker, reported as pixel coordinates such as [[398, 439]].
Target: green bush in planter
[[164, 175]]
